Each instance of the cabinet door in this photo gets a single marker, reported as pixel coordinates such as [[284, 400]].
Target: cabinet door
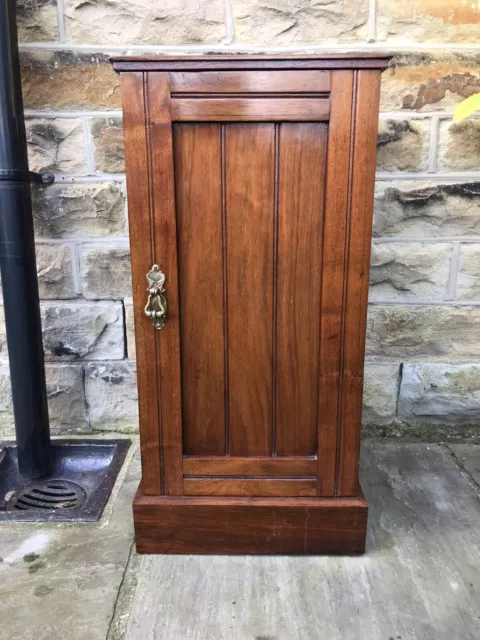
[[252, 192]]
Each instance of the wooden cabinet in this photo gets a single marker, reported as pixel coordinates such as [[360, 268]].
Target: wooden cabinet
[[250, 184]]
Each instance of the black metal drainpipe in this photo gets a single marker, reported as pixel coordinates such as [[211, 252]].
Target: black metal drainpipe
[[17, 264]]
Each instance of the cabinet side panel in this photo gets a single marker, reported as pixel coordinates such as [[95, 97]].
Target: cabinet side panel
[[250, 203], [356, 294], [141, 246], [198, 196], [301, 203]]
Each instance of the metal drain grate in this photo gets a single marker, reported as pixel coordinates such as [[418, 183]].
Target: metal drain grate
[[48, 495]]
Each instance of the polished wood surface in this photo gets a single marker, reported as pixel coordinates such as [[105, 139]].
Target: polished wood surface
[[250, 181]]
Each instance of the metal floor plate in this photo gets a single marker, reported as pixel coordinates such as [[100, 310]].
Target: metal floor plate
[[92, 464]]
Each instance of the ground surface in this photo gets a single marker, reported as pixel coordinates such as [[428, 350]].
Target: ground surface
[[420, 577]]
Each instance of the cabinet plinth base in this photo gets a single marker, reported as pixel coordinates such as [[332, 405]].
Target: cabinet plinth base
[[258, 526]]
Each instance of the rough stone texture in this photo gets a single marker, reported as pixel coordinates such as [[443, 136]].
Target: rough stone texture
[[79, 210], [55, 271], [130, 326], [37, 20], [55, 145], [417, 210], [107, 136], [459, 146], [429, 82], [468, 280], [402, 145], [68, 80], [111, 393], [144, 22], [284, 22], [424, 333], [428, 21], [440, 393], [380, 391], [66, 399], [105, 272], [3, 336], [83, 330], [468, 457], [401, 271]]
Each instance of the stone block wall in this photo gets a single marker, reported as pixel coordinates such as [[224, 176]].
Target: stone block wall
[[423, 352]]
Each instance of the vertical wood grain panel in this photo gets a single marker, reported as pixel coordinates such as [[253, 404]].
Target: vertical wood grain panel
[[301, 203], [356, 294], [199, 225], [141, 247], [165, 234], [334, 257], [250, 241]]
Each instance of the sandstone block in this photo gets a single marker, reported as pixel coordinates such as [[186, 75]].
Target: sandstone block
[[420, 210], [55, 145], [107, 136], [408, 271], [37, 20], [144, 22], [402, 145], [111, 392], [81, 330], [285, 22], [130, 325], [7, 426], [468, 280], [105, 272], [68, 80], [55, 271], [440, 393], [429, 82], [380, 391], [427, 21], [79, 210], [3, 336], [423, 332], [459, 146]]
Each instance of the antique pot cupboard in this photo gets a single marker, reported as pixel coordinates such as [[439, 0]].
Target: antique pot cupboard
[[250, 187]]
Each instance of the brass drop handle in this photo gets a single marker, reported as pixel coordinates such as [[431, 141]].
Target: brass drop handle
[[156, 307]]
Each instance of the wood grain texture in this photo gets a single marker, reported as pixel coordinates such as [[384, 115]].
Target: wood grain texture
[[244, 82], [301, 203], [250, 243], [356, 294], [199, 225], [162, 176], [250, 525], [249, 109], [250, 466], [141, 252], [253, 487]]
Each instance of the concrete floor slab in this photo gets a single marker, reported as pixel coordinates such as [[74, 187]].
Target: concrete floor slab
[[418, 580], [61, 581]]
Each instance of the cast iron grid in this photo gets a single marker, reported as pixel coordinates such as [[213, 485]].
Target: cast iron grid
[[49, 494]]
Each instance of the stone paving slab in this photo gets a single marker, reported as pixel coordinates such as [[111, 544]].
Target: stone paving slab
[[418, 580], [61, 581], [469, 458]]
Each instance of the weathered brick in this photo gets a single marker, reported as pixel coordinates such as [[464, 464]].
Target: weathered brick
[[440, 393], [402, 145], [417, 210], [459, 146], [68, 80], [141, 21], [83, 330], [55, 144], [423, 332], [429, 82], [111, 393], [283, 22], [79, 210], [468, 280], [428, 21], [37, 20], [105, 272], [107, 136], [408, 271], [380, 391]]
